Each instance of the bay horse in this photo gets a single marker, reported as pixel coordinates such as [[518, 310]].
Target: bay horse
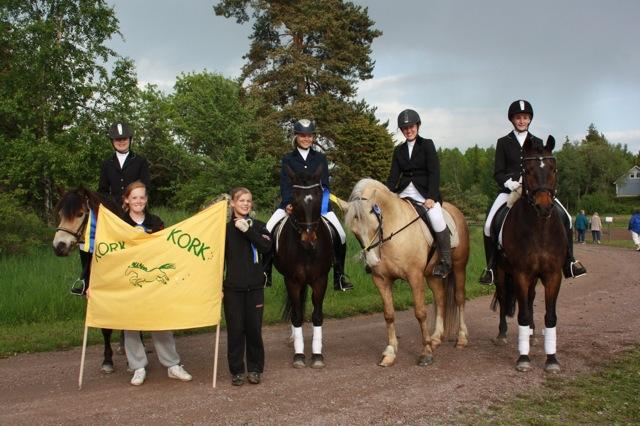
[[534, 247], [74, 210], [303, 257], [394, 241]]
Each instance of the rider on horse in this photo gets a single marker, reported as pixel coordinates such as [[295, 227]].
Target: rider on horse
[[415, 174], [305, 159], [508, 174]]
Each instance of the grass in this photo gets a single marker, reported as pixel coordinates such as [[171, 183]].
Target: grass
[[607, 397], [39, 314]]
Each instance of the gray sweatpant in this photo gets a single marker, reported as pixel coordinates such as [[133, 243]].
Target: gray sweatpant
[[164, 343]]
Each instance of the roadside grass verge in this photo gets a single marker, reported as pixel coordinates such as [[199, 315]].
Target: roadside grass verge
[[609, 396]]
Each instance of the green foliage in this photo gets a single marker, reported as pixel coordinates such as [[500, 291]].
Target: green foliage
[[20, 229]]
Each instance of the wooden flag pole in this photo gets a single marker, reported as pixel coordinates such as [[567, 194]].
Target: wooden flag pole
[[215, 355], [84, 351]]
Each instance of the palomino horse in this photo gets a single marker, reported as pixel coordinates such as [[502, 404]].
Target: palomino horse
[[534, 247], [74, 210], [303, 257], [397, 247]]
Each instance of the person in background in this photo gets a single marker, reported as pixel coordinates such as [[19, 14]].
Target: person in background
[[135, 214], [246, 240], [581, 226], [596, 228], [634, 228]]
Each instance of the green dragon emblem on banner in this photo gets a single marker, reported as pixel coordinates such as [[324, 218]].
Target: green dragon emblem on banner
[[139, 273]]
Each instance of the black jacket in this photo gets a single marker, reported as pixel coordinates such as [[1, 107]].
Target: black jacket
[[151, 224], [297, 164], [114, 180], [508, 161], [423, 169], [243, 272]]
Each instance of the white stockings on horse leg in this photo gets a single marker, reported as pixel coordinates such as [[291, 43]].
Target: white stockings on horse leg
[[298, 340], [550, 341], [524, 332], [316, 342]]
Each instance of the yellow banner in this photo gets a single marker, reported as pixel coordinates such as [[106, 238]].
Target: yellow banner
[[168, 280]]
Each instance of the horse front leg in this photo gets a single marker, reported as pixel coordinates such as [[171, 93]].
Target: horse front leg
[[317, 297], [384, 286], [107, 362], [551, 291], [523, 284], [294, 290], [532, 296]]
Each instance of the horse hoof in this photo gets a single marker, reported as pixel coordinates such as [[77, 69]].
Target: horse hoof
[[317, 361], [298, 361], [387, 361], [107, 368], [553, 368], [424, 360], [523, 364], [500, 341]]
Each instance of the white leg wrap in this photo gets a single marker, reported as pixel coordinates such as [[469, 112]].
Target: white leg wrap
[[436, 218], [276, 217], [316, 343], [331, 217], [550, 341], [524, 331], [298, 340]]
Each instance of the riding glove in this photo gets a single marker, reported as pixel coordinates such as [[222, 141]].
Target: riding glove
[[242, 225]]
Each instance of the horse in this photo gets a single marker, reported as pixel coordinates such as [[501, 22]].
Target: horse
[[304, 257], [406, 253], [534, 247], [74, 210]]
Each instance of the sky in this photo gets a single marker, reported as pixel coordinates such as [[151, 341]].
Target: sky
[[459, 63]]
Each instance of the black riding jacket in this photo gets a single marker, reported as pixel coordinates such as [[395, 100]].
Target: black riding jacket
[[244, 270], [509, 159], [114, 179], [297, 164], [423, 169]]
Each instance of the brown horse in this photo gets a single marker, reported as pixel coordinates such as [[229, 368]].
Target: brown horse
[[74, 210], [395, 245], [534, 247]]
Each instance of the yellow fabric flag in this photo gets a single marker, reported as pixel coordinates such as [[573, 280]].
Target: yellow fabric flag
[[168, 280]]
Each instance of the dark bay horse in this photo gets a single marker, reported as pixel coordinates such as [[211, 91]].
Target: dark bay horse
[[304, 257], [395, 246], [74, 211], [534, 247]]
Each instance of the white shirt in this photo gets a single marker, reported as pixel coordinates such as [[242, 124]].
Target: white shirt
[[410, 145], [521, 136], [304, 153], [411, 191], [122, 157]]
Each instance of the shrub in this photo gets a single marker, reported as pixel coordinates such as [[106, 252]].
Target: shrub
[[20, 230]]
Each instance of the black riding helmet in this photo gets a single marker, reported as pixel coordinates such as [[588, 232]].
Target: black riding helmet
[[304, 126], [407, 118], [120, 130], [520, 107]]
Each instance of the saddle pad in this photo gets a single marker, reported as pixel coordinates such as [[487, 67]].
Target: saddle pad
[[448, 219], [280, 225]]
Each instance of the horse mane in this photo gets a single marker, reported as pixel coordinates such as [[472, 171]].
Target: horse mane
[[357, 210], [73, 201]]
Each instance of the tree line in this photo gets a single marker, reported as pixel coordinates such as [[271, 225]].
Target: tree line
[[61, 86]]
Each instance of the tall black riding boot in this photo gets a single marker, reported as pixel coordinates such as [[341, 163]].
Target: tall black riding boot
[[487, 276], [572, 268], [443, 239], [340, 280]]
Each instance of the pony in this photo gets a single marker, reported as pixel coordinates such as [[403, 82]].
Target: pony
[[395, 245], [74, 210], [534, 247], [304, 257]]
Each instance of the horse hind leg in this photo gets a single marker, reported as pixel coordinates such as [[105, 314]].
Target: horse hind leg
[[420, 310], [437, 313], [107, 362]]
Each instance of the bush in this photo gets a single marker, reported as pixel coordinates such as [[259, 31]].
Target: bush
[[20, 230]]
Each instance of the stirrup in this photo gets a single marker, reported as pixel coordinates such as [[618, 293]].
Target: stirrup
[[78, 288], [487, 277], [342, 284], [576, 270]]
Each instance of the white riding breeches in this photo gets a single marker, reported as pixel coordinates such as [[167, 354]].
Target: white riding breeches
[[280, 214], [436, 218], [501, 199]]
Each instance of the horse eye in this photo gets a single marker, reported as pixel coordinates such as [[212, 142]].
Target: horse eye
[[80, 214]]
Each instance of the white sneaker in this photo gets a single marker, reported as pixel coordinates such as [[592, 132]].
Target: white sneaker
[[138, 376], [177, 372]]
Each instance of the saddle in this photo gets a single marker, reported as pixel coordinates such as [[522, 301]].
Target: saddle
[[277, 230], [448, 219], [497, 224]]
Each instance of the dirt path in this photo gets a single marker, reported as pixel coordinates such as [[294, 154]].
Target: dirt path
[[597, 318]]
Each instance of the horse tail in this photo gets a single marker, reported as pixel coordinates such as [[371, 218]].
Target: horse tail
[[286, 309], [451, 311], [509, 297]]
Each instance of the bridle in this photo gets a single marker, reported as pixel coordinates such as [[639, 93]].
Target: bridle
[[531, 193], [78, 233], [299, 226]]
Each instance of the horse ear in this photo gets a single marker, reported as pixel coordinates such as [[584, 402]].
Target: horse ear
[[551, 143]]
